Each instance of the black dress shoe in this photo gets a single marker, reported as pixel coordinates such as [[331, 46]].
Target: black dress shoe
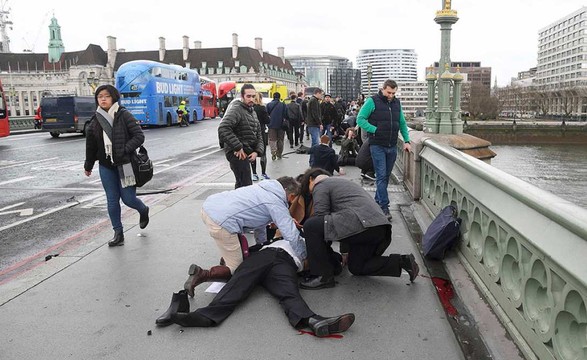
[[144, 220], [409, 264], [192, 319], [179, 303], [325, 326], [318, 282]]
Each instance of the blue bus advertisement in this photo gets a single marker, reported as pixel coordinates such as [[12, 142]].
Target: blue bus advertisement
[[153, 91]]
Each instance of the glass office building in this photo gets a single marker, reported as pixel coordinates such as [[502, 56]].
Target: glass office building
[[334, 74], [378, 65]]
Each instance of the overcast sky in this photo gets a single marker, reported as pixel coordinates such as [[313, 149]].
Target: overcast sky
[[502, 34]]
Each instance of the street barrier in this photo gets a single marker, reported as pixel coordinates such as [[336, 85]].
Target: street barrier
[[22, 122]]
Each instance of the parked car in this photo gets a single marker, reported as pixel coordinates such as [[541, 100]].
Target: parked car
[[67, 114]]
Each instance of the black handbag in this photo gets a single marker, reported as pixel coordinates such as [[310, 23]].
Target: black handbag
[[142, 166]]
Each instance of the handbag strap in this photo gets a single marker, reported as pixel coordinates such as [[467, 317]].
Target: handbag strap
[[105, 125]]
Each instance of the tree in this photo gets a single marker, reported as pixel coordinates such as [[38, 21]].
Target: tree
[[482, 104]]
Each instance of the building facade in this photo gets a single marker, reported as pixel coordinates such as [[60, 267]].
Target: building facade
[[27, 77], [472, 70], [414, 97], [333, 74], [378, 65]]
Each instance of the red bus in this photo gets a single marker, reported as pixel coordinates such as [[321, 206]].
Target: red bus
[[226, 93], [4, 125], [209, 98]]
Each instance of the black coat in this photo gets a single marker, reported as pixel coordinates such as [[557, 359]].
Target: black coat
[[124, 141], [240, 129]]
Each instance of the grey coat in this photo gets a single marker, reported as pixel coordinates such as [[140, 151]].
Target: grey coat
[[347, 208]]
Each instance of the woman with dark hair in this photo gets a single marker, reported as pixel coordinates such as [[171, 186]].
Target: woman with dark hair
[[112, 136]]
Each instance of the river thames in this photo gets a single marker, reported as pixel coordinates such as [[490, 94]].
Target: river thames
[[558, 169]]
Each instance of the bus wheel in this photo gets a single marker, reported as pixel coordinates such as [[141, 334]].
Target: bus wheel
[[213, 116], [55, 134], [195, 117], [169, 120]]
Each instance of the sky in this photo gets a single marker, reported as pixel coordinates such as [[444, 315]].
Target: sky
[[502, 34]]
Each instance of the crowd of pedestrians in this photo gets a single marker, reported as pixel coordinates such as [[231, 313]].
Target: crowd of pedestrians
[[296, 221]]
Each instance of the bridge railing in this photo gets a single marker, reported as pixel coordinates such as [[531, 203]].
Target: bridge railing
[[21, 122], [524, 246]]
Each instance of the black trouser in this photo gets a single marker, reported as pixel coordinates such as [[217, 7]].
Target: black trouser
[[294, 134], [241, 170], [263, 157], [272, 268], [365, 251]]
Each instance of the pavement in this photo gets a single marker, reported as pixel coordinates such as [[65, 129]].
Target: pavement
[[96, 302]]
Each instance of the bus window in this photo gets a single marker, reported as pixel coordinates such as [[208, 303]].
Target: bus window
[[129, 94], [175, 101], [167, 101]]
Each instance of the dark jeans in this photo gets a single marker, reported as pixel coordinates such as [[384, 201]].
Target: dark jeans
[[272, 268], [365, 251], [241, 170], [114, 192], [383, 160]]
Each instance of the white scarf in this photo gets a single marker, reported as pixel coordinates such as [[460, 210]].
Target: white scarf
[[107, 143]]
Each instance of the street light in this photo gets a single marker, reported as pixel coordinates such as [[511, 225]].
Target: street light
[[93, 81]]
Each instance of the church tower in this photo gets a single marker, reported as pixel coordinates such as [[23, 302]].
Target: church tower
[[55, 43]]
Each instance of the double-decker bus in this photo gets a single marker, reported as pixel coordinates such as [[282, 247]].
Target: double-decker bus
[[209, 97], [226, 93], [4, 125], [152, 91]]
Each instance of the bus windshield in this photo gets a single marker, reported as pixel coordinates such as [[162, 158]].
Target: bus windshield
[[153, 91]]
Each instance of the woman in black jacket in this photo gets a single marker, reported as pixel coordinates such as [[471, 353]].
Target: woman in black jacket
[[114, 134], [263, 117]]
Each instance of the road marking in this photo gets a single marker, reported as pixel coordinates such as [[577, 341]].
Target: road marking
[[23, 212], [27, 163], [50, 211], [49, 144], [11, 206], [190, 160], [16, 180]]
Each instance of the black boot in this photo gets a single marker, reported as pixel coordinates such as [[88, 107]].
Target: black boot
[[118, 239], [144, 220], [179, 303], [322, 326], [192, 319]]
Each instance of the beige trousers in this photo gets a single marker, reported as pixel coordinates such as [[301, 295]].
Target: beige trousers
[[228, 244]]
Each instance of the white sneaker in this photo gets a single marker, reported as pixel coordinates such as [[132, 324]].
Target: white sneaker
[[255, 177]]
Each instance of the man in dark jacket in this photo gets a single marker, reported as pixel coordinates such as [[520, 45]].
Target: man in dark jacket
[[240, 134], [304, 109], [314, 117], [324, 157], [294, 114], [329, 116], [345, 212], [382, 118], [277, 114]]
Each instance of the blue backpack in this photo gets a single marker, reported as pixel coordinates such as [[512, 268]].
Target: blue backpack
[[442, 234]]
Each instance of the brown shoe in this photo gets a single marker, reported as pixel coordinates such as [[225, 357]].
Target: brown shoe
[[199, 275]]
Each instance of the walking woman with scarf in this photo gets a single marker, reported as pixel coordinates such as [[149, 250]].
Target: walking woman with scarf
[[112, 135]]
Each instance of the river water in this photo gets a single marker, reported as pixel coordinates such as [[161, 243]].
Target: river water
[[558, 169]]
